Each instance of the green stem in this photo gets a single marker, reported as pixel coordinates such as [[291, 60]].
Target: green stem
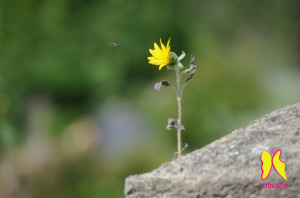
[[179, 91]]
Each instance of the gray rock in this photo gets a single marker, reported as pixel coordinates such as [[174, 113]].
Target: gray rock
[[231, 166]]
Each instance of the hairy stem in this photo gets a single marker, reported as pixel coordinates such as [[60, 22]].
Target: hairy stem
[[179, 91]]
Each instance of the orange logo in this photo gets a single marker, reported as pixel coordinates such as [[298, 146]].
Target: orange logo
[[267, 161]]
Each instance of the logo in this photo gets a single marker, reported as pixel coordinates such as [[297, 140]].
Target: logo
[[267, 162]]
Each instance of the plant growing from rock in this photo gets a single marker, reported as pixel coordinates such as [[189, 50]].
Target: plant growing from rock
[[162, 56]]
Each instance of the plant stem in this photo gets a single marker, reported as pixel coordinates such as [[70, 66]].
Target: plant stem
[[179, 91]]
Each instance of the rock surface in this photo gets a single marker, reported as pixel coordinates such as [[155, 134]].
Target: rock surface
[[231, 166]]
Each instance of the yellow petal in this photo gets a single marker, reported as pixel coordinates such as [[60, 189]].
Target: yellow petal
[[161, 66], [163, 48], [168, 44], [154, 62], [151, 58], [156, 47], [160, 55], [155, 53]]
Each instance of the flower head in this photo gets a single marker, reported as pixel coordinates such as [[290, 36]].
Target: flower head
[[161, 56]]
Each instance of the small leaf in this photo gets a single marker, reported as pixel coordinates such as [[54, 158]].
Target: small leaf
[[193, 67], [171, 67], [157, 86], [185, 146], [181, 56], [189, 78], [171, 123], [185, 71], [179, 127], [165, 83], [179, 65], [176, 153], [192, 60], [191, 70]]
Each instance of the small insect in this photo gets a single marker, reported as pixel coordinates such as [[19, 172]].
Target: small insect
[[114, 44]]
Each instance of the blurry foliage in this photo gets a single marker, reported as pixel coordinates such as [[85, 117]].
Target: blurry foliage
[[60, 49]]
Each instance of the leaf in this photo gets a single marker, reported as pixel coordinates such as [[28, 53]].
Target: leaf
[[157, 86], [176, 153], [189, 78], [181, 56], [179, 65], [179, 127], [192, 60], [165, 83], [191, 70], [193, 67], [171, 67], [171, 123], [185, 146]]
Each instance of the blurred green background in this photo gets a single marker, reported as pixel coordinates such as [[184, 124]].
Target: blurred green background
[[77, 116]]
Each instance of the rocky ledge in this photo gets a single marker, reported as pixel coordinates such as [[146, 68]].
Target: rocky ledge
[[231, 166]]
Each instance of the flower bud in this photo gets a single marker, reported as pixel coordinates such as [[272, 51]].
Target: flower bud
[[173, 59]]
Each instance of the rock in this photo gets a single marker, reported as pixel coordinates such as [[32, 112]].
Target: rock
[[231, 166]]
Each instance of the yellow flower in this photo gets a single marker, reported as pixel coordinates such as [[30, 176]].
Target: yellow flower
[[160, 56]]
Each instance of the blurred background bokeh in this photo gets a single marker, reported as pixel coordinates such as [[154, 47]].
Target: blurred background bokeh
[[77, 116]]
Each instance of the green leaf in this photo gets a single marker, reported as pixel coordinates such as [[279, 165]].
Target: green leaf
[[181, 56]]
